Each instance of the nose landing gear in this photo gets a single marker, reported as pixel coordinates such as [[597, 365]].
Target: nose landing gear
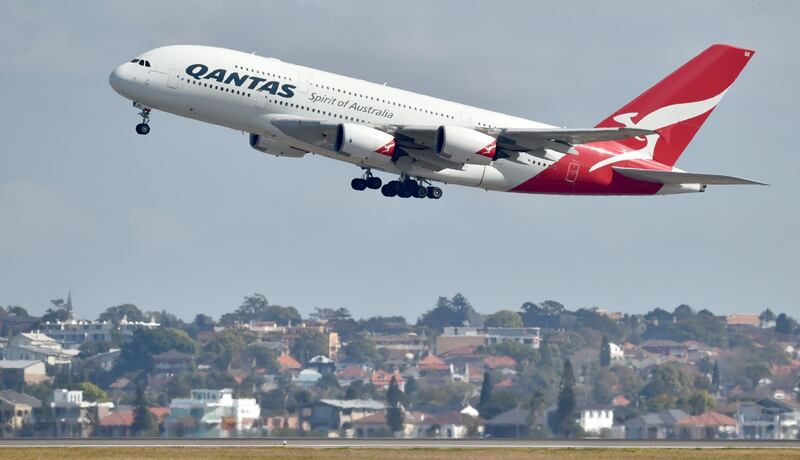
[[143, 128]]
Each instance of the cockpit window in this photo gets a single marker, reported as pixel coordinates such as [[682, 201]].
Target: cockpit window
[[141, 62]]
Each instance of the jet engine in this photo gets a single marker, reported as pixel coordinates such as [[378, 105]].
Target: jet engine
[[266, 145], [464, 145], [363, 143]]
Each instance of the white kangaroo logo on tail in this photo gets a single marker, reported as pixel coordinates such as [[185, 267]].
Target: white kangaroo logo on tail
[[655, 120]]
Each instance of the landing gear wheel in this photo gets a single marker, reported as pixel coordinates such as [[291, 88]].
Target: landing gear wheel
[[389, 190], [420, 192], [358, 184], [403, 192], [374, 183], [142, 128], [434, 193]]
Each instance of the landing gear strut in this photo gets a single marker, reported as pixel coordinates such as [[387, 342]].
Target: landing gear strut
[[367, 181], [143, 128]]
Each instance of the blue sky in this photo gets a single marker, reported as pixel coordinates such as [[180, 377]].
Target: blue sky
[[191, 219]]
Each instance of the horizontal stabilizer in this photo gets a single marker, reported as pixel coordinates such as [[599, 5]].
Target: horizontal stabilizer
[[678, 177]]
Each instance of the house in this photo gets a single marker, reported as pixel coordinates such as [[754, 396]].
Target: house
[[743, 319], [655, 425], [36, 346], [72, 415], [287, 364], [459, 337], [509, 424], [708, 425], [669, 348], [289, 335], [620, 401], [528, 336], [454, 424], [322, 364], [617, 352], [17, 409], [332, 414], [382, 379], [307, 378], [377, 425], [768, 419], [595, 419], [433, 364], [407, 344], [352, 374], [105, 360], [212, 413], [499, 362], [119, 423], [17, 373], [172, 362]]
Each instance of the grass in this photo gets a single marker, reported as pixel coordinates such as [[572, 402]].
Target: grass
[[239, 453]]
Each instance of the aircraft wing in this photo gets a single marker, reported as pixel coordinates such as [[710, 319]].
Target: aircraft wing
[[677, 177]]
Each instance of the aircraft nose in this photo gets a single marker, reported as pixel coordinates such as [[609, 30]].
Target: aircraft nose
[[121, 78]]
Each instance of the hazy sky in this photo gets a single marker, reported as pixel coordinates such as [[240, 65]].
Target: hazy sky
[[191, 219]]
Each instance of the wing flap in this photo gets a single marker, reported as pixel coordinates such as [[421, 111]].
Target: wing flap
[[678, 177], [535, 137]]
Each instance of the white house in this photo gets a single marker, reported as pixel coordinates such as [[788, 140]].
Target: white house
[[213, 413], [36, 346], [617, 352], [594, 419]]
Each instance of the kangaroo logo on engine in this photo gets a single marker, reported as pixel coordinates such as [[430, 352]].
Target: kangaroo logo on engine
[[201, 72]]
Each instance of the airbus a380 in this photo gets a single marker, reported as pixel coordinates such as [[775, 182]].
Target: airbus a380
[[290, 110]]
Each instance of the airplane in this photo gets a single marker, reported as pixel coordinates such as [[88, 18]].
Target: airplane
[[290, 110]]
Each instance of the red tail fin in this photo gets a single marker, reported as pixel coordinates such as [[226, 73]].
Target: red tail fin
[[678, 105]]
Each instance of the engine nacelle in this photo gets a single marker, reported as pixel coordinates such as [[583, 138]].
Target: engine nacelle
[[464, 145], [267, 145], [363, 143]]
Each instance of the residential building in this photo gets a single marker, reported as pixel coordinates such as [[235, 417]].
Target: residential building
[[172, 362], [353, 373], [509, 424], [382, 379], [376, 424], [17, 373], [288, 335], [596, 419], [72, 415], [655, 425], [768, 419], [17, 409], [119, 423], [307, 378], [332, 414], [287, 364], [708, 425], [212, 413], [76, 332], [408, 343], [322, 364], [616, 351], [35, 346], [460, 337], [455, 424]]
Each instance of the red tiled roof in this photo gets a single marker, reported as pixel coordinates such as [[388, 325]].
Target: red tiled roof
[[710, 418], [468, 350], [507, 383], [431, 362], [125, 417], [620, 400], [286, 361], [743, 318], [383, 378], [499, 361], [352, 372]]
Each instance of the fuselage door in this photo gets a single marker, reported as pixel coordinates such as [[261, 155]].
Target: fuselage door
[[172, 79], [572, 172]]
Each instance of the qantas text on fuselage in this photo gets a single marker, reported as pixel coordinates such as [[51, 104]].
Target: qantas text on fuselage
[[290, 110]]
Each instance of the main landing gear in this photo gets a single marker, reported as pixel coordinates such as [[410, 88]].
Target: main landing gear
[[143, 128], [367, 181], [407, 187]]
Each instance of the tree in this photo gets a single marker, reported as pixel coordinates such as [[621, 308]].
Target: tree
[[564, 423], [716, 383], [683, 312], [547, 314], [700, 402], [394, 411], [756, 371], [310, 343], [137, 352], [361, 350], [116, 314], [144, 422], [61, 311], [384, 324], [486, 392], [605, 352], [17, 311], [224, 349], [256, 308], [448, 312], [165, 319], [504, 318], [767, 315], [498, 403], [784, 324], [92, 392]]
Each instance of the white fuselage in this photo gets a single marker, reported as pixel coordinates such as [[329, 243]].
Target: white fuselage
[[277, 89]]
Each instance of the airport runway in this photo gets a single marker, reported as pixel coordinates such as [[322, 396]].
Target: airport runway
[[322, 443]]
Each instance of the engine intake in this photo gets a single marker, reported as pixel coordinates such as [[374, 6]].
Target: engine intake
[[464, 145]]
